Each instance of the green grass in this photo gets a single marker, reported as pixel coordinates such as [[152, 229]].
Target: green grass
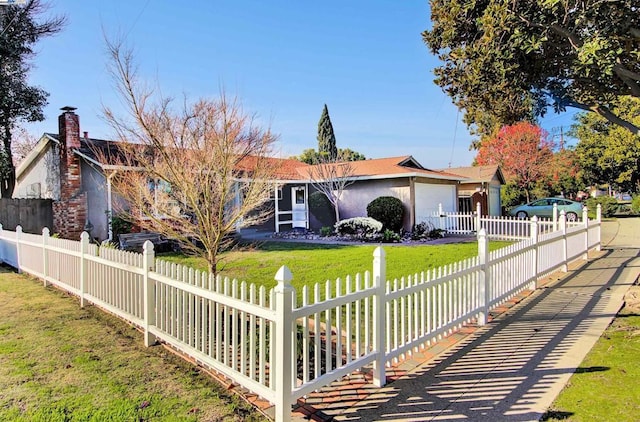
[[59, 362], [605, 387], [313, 263]]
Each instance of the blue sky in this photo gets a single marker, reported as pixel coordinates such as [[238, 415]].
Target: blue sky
[[283, 59]]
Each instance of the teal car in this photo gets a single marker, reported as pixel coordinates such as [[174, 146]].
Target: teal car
[[544, 208]]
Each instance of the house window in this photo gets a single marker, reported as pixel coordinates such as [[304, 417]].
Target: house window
[[273, 196], [300, 196]]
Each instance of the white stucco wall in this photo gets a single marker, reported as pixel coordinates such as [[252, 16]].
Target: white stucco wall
[[45, 171], [355, 199]]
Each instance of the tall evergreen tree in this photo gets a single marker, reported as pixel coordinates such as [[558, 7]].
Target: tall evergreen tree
[[20, 30], [326, 138]]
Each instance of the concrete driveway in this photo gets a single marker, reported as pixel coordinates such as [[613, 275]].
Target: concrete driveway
[[621, 233]]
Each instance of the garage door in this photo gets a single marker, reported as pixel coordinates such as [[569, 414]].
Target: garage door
[[429, 196]]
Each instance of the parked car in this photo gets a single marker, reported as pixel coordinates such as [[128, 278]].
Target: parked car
[[544, 208]]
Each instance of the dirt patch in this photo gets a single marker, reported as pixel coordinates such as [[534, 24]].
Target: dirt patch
[[632, 302]]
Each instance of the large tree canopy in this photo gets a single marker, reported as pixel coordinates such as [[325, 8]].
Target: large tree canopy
[[506, 61], [522, 151], [20, 29], [606, 152]]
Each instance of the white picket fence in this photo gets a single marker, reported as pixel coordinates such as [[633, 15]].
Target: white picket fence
[[283, 350], [497, 227]]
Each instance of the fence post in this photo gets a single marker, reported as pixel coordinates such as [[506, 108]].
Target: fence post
[[149, 293], [599, 222], [84, 248], [483, 277], [283, 344], [379, 323], [563, 228], [534, 238], [441, 215], [478, 216], [45, 256], [18, 248], [585, 221], [555, 217]]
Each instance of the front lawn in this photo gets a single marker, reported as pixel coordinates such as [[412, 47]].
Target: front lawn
[[62, 363], [312, 263]]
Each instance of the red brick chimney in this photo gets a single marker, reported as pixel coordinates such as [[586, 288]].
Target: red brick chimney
[[70, 212]]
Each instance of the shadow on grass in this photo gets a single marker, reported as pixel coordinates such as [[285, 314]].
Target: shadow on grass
[[556, 415], [588, 369], [291, 246]]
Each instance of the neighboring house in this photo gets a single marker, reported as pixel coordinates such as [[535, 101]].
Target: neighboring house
[[64, 167], [482, 184]]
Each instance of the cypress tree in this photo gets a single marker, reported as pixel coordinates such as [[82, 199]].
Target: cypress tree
[[326, 138]]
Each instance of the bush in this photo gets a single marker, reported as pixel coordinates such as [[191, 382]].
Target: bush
[[609, 205], [426, 231], [321, 208], [390, 236], [635, 205], [361, 227], [120, 224], [388, 210], [326, 231]]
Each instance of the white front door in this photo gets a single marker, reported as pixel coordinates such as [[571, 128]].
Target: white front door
[[299, 207]]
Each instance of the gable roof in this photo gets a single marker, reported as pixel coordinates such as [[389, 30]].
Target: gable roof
[[479, 174], [106, 155], [384, 168]]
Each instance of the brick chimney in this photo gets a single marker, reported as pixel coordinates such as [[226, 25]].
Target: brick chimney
[[69, 131], [70, 212]]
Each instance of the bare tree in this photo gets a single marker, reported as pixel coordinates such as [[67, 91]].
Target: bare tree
[[332, 178], [195, 174], [22, 144]]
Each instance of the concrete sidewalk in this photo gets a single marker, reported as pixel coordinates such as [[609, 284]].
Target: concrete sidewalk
[[513, 368]]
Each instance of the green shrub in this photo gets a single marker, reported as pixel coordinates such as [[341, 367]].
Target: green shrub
[[388, 210], [321, 208], [426, 231], [120, 224], [421, 231], [635, 205], [361, 227], [608, 203], [390, 236], [326, 231]]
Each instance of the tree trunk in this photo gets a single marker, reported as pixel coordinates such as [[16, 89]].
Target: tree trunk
[[8, 182], [335, 207]]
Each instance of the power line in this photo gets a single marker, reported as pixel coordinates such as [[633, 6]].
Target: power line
[[455, 132]]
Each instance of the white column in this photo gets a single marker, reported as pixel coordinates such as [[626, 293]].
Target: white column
[[483, 277], [149, 294], [18, 248], [563, 228], [277, 207], [45, 256], [585, 221], [599, 231], [84, 248], [534, 237], [478, 217], [283, 342], [379, 322]]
